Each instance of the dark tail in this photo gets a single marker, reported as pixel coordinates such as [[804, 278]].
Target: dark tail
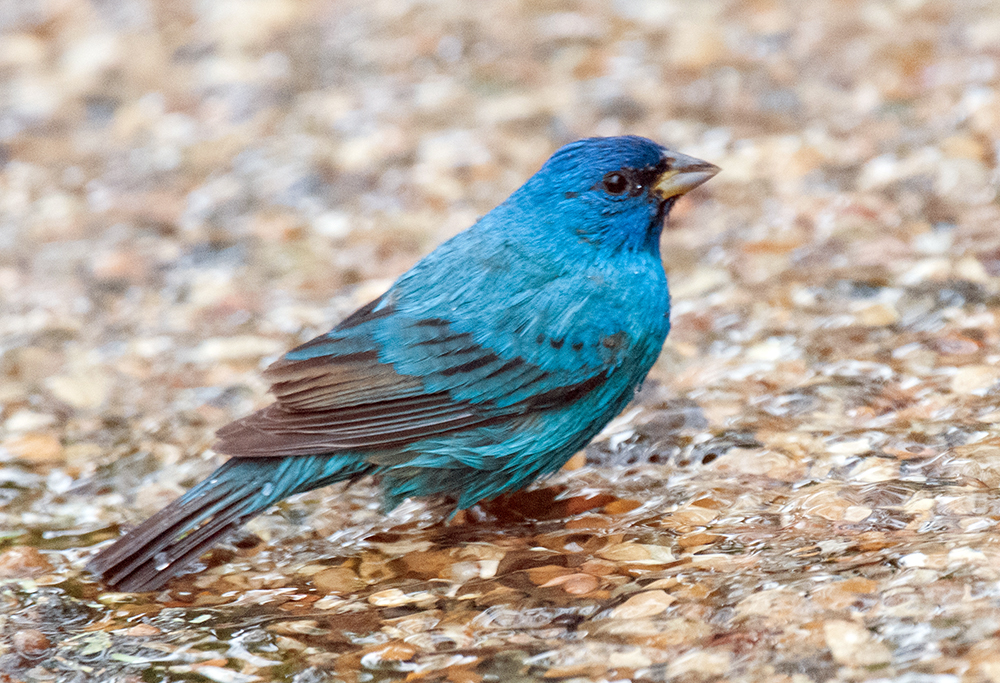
[[166, 543]]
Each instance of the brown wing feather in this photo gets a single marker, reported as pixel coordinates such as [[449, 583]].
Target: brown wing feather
[[341, 403], [329, 383]]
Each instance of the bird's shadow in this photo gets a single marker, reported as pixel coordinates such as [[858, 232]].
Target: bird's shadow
[[525, 512]]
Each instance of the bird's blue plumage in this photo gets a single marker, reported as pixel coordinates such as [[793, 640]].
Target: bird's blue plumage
[[485, 366]]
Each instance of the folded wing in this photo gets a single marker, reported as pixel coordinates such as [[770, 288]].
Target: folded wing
[[337, 392]]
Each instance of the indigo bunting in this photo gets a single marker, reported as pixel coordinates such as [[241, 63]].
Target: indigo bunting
[[485, 366]]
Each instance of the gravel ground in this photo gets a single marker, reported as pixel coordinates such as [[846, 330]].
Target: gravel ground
[[805, 490]]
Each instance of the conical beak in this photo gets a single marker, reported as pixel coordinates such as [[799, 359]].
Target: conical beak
[[683, 175]]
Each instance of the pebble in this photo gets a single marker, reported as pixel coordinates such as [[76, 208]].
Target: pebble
[[645, 604], [30, 642], [22, 562], [636, 553], [35, 448], [852, 644], [337, 580]]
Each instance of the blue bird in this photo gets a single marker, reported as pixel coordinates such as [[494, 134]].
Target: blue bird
[[485, 366]]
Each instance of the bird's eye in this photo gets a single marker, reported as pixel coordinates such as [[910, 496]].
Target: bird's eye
[[615, 183]]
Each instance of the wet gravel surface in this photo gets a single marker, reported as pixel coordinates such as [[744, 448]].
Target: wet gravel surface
[[806, 489]]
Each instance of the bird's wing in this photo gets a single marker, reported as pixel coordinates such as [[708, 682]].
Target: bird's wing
[[335, 392]]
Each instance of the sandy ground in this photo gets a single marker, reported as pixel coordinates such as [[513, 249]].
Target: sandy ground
[[805, 490]]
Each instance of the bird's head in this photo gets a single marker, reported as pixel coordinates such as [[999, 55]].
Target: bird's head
[[613, 191]]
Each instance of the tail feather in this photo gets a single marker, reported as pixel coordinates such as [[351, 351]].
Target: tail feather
[[166, 543]]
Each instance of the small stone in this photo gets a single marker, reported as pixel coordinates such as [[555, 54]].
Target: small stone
[[759, 462], [852, 447], [696, 44], [297, 627], [645, 604], [576, 462], [427, 564], [394, 597], [702, 664], [466, 571], [689, 516], [142, 630], [874, 470], [27, 421], [696, 540], [397, 652], [541, 576], [35, 448], [665, 584], [658, 633], [84, 389], [778, 606], [332, 224], [637, 553], [82, 453], [857, 513], [851, 644], [235, 348], [976, 380], [620, 507], [329, 602], [30, 642], [23, 562], [574, 672], [690, 591], [599, 567], [878, 315], [633, 658], [291, 644], [842, 594], [826, 504], [337, 580], [574, 584]]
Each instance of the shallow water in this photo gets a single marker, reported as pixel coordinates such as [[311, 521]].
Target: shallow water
[[789, 549]]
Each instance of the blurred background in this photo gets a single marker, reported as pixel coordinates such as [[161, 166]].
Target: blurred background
[[190, 187]]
